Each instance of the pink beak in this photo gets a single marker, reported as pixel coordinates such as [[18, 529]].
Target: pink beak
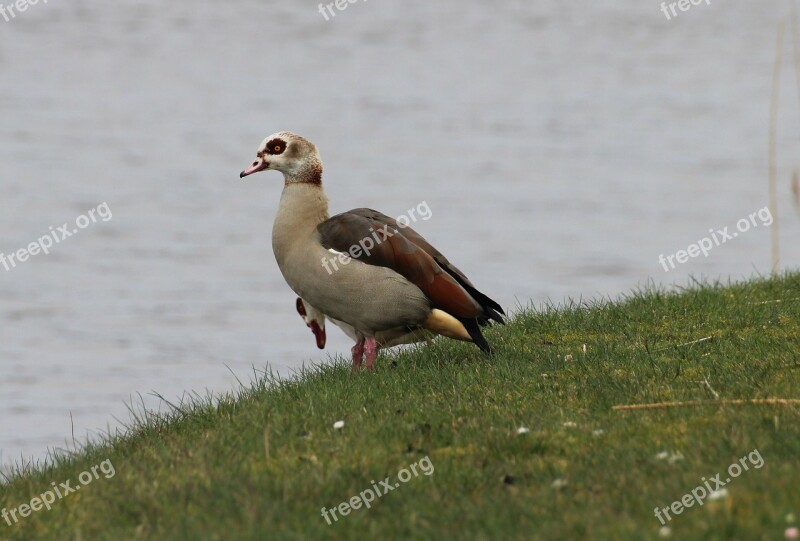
[[319, 334], [259, 165]]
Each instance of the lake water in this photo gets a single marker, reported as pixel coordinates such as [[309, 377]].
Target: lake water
[[561, 147]]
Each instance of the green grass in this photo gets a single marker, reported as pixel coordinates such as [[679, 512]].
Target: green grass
[[261, 465]]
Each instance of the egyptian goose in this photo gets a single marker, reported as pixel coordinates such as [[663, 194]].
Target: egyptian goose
[[315, 320], [390, 277]]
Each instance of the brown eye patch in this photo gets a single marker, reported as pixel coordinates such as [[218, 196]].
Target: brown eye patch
[[276, 146]]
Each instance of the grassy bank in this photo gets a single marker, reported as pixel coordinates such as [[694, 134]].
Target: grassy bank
[[263, 464]]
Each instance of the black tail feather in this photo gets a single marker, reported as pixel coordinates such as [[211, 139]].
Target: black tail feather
[[488, 304], [490, 316], [492, 310], [474, 330]]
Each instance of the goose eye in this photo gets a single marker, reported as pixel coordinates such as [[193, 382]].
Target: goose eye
[[275, 146]]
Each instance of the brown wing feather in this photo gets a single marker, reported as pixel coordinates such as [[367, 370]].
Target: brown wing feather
[[393, 249], [492, 309], [411, 235]]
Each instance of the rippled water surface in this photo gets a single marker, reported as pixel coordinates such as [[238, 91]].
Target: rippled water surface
[[561, 147]]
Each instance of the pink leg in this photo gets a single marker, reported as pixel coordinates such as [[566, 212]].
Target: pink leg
[[371, 348], [358, 354]]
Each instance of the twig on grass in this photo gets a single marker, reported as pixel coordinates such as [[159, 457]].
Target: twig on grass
[[687, 343], [776, 301], [711, 389], [734, 402]]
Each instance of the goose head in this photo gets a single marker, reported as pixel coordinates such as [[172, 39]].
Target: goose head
[[294, 156], [314, 319]]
